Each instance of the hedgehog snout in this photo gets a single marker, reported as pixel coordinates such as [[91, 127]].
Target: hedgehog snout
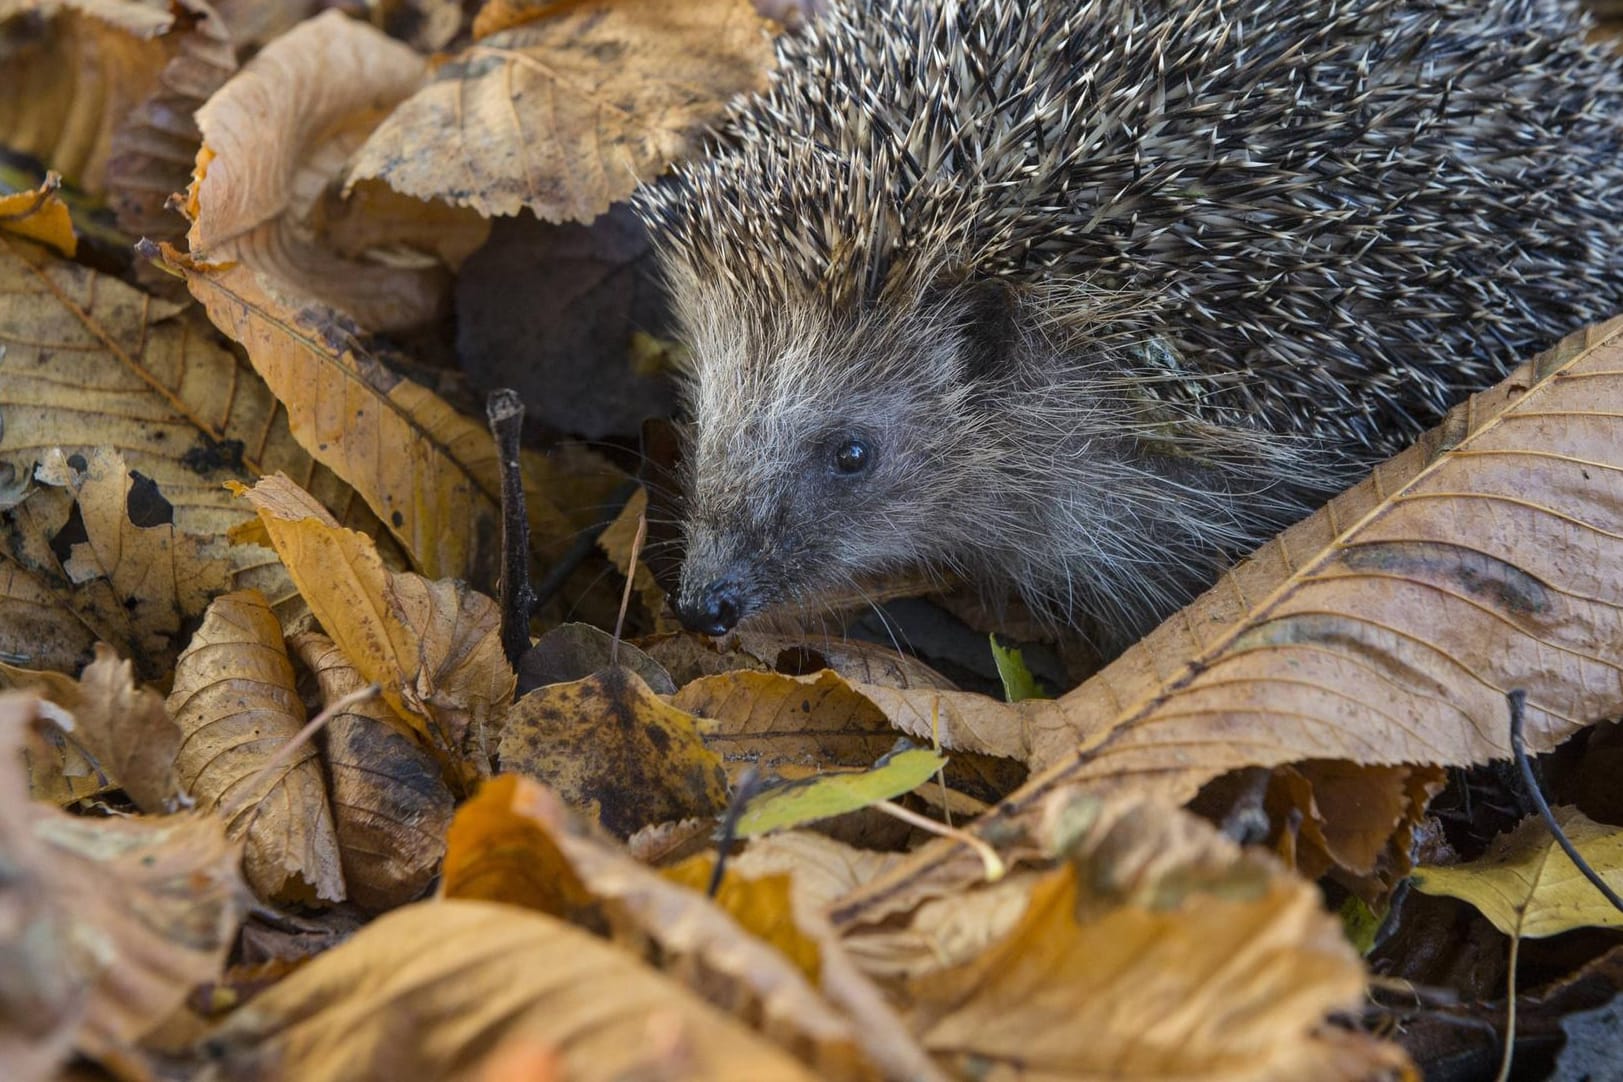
[[713, 609]]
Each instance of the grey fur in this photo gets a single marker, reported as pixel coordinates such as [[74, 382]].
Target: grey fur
[[1117, 288]]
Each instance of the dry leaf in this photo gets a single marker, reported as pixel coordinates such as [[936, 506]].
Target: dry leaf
[[88, 362], [34, 628], [616, 750], [154, 149], [576, 868], [71, 84], [1528, 886], [568, 113], [433, 990], [123, 732], [389, 804], [128, 574], [117, 917], [434, 647], [274, 138], [1160, 951], [234, 699]]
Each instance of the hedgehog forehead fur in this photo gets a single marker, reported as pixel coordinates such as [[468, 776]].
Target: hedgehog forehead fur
[[1241, 249]]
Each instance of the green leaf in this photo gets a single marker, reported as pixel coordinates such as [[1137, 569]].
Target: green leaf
[[1018, 683], [811, 799]]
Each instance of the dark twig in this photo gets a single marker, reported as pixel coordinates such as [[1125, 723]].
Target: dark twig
[[505, 412], [748, 783], [1518, 711]]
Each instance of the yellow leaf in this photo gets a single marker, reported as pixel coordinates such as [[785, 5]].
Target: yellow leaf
[[235, 702], [1528, 886], [434, 647], [40, 215], [810, 799]]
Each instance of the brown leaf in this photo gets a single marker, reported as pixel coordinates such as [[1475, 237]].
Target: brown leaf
[[433, 990], [389, 805], [612, 747], [1167, 952], [119, 918], [235, 702], [87, 362], [274, 137], [71, 84], [433, 646], [515, 821], [566, 114], [128, 575], [34, 627], [123, 731]]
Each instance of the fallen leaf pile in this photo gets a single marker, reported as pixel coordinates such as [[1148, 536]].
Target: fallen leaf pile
[[275, 802]]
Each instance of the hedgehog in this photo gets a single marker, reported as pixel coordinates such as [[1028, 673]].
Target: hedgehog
[[1081, 300]]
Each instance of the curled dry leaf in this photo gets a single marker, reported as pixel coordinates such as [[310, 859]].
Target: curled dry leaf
[[434, 647], [389, 805], [72, 83], [112, 922], [129, 574], [235, 702], [517, 841], [568, 113], [431, 991], [275, 137], [1528, 886], [610, 745]]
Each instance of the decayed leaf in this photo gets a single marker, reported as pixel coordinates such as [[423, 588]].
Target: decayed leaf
[[69, 88], [34, 628], [430, 991], [433, 646], [1528, 886], [570, 112], [389, 805], [1160, 951], [88, 362], [40, 216], [235, 702], [123, 732], [129, 575], [609, 745], [517, 841], [274, 137], [119, 918]]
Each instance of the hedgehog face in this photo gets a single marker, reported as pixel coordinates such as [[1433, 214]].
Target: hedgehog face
[[818, 458]]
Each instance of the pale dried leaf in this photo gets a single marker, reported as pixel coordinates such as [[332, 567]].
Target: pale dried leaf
[[235, 702], [568, 113], [274, 137], [428, 992]]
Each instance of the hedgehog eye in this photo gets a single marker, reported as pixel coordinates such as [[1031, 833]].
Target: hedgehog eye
[[853, 457]]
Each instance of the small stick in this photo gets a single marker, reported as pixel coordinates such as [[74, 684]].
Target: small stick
[[748, 783], [581, 547], [995, 868], [301, 738], [505, 413], [625, 596]]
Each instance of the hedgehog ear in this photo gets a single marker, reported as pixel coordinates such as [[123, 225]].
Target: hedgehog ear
[[989, 320]]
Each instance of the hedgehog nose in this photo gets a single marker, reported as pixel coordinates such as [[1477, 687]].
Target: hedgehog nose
[[713, 612]]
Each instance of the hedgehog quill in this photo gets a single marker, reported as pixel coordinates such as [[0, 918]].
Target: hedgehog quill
[[1082, 300]]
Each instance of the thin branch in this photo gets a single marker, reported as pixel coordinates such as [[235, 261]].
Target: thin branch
[[505, 412]]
